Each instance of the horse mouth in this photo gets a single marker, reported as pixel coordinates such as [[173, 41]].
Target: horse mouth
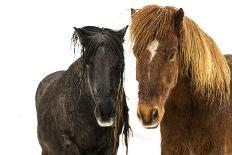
[[151, 126], [107, 123]]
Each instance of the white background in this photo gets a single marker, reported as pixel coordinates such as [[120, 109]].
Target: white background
[[35, 37]]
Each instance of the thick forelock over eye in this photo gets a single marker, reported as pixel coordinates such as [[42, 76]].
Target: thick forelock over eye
[[151, 18], [90, 38]]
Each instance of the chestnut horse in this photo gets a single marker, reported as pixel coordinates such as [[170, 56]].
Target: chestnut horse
[[184, 83], [83, 110]]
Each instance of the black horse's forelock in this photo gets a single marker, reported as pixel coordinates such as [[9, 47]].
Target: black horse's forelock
[[98, 37]]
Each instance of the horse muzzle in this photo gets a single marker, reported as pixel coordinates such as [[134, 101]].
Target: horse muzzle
[[104, 116], [150, 115]]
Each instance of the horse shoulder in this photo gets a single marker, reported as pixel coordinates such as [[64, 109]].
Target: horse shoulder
[[46, 82]]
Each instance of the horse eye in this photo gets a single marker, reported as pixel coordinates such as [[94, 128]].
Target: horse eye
[[171, 56]]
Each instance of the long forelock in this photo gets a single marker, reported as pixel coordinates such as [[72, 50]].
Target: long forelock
[[148, 24], [104, 38]]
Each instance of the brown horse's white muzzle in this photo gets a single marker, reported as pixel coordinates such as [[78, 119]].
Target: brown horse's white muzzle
[[150, 114]]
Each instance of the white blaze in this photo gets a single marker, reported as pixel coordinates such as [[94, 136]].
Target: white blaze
[[152, 49]]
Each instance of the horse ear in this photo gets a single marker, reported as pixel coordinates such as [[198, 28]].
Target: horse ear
[[76, 29], [133, 11], [79, 31], [80, 34], [178, 19], [121, 33]]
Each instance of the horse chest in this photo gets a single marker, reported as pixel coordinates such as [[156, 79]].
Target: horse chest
[[88, 137], [192, 129], [86, 132]]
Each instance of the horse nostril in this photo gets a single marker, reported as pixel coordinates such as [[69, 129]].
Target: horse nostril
[[154, 114]]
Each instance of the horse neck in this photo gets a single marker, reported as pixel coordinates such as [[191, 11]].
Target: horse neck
[[184, 99], [180, 96], [77, 78]]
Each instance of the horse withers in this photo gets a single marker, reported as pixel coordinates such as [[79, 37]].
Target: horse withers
[[83, 110], [184, 83]]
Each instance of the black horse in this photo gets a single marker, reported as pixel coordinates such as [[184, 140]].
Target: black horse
[[83, 110]]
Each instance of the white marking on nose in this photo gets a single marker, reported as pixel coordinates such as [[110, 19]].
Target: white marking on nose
[[152, 49]]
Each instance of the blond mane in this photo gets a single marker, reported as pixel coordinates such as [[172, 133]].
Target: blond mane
[[199, 54]]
